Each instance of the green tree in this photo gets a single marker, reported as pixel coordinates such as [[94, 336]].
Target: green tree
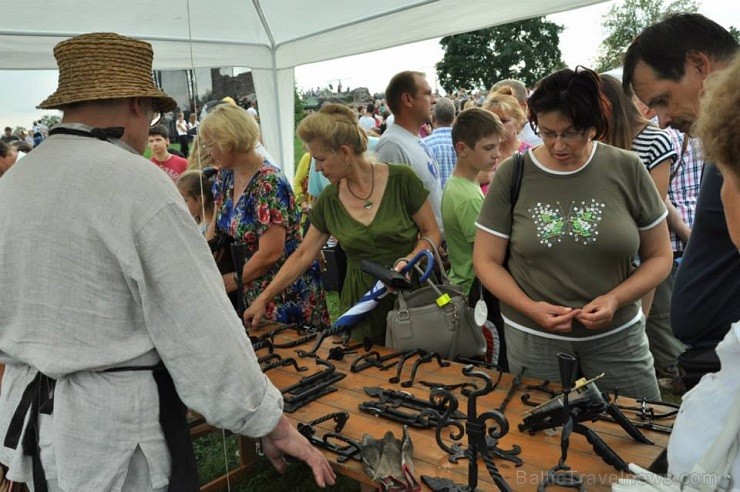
[[626, 20], [298, 110], [735, 33], [50, 120], [525, 50]]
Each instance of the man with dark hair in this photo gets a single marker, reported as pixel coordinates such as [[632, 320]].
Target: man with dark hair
[[8, 136], [117, 317], [667, 66], [159, 141], [440, 141], [410, 99]]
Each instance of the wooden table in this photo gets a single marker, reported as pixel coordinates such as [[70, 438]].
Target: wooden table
[[539, 452]]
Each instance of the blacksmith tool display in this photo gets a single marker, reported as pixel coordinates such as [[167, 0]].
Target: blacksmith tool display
[[424, 360], [482, 440], [374, 359], [402, 360], [335, 442], [311, 387], [407, 409]]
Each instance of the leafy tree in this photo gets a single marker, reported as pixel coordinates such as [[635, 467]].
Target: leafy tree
[[735, 33], [626, 20], [50, 120], [525, 50], [298, 110]]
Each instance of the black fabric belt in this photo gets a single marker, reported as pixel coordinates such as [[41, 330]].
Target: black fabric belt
[[38, 397]]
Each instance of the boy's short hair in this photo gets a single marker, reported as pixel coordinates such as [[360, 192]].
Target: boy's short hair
[[473, 124], [160, 130]]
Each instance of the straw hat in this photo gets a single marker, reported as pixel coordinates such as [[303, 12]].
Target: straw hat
[[100, 66]]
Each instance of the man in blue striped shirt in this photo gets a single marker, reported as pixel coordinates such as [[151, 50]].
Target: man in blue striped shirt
[[440, 141]]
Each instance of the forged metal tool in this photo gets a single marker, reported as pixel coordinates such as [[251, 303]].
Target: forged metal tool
[[374, 359], [391, 403], [349, 449], [587, 405], [289, 361], [338, 353], [311, 387], [260, 344], [515, 384], [423, 360], [543, 387], [399, 367]]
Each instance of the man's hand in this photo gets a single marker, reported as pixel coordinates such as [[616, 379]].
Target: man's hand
[[552, 317], [598, 313], [285, 439]]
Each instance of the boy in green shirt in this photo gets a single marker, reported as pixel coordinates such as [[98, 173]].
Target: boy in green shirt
[[476, 135]]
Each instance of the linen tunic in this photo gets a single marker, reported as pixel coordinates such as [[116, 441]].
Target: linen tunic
[[102, 266]]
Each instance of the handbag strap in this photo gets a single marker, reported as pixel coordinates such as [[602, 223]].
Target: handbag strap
[[438, 259]]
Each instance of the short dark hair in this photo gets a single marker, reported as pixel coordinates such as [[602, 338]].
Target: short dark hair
[[401, 83], [663, 46], [21, 146], [8, 129], [473, 124], [160, 130], [577, 95]]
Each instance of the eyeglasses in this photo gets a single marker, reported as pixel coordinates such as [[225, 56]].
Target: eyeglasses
[[569, 136]]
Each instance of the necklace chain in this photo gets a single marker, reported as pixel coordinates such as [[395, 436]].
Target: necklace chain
[[368, 204]]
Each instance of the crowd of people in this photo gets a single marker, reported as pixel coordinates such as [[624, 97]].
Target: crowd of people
[[603, 215]]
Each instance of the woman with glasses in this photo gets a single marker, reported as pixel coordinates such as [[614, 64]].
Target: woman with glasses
[[254, 204], [584, 210]]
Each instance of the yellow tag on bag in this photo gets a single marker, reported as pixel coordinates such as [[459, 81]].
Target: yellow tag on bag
[[443, 300]]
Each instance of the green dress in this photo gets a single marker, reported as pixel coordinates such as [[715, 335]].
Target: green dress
[[391, 235]]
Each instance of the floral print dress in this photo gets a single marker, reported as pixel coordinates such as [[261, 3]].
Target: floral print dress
[[268, 200]]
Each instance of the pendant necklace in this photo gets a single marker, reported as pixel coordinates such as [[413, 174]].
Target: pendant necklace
[[368, 204]]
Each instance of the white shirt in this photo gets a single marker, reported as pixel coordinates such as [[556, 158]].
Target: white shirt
[[107, 269]]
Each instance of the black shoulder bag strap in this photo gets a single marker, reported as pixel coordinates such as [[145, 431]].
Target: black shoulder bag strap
[[516, 186]]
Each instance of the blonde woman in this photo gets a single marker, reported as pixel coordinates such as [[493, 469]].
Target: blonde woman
[[254, 204], [503, 104], [377, 211]]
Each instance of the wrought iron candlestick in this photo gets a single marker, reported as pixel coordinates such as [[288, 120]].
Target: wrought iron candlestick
[[482, 440], [561, 474]]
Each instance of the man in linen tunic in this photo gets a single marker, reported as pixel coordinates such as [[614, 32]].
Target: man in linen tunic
[[103, 267]]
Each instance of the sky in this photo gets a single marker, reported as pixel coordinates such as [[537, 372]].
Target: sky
[[23, 90]]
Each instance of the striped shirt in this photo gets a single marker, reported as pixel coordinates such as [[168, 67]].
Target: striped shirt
[[654, 146], [441, 147], [686, 173]]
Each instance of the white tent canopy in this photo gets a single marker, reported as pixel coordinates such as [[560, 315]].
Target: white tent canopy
[[269, 36]]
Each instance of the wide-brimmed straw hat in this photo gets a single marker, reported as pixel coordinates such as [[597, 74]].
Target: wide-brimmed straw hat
[[103, 65]]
